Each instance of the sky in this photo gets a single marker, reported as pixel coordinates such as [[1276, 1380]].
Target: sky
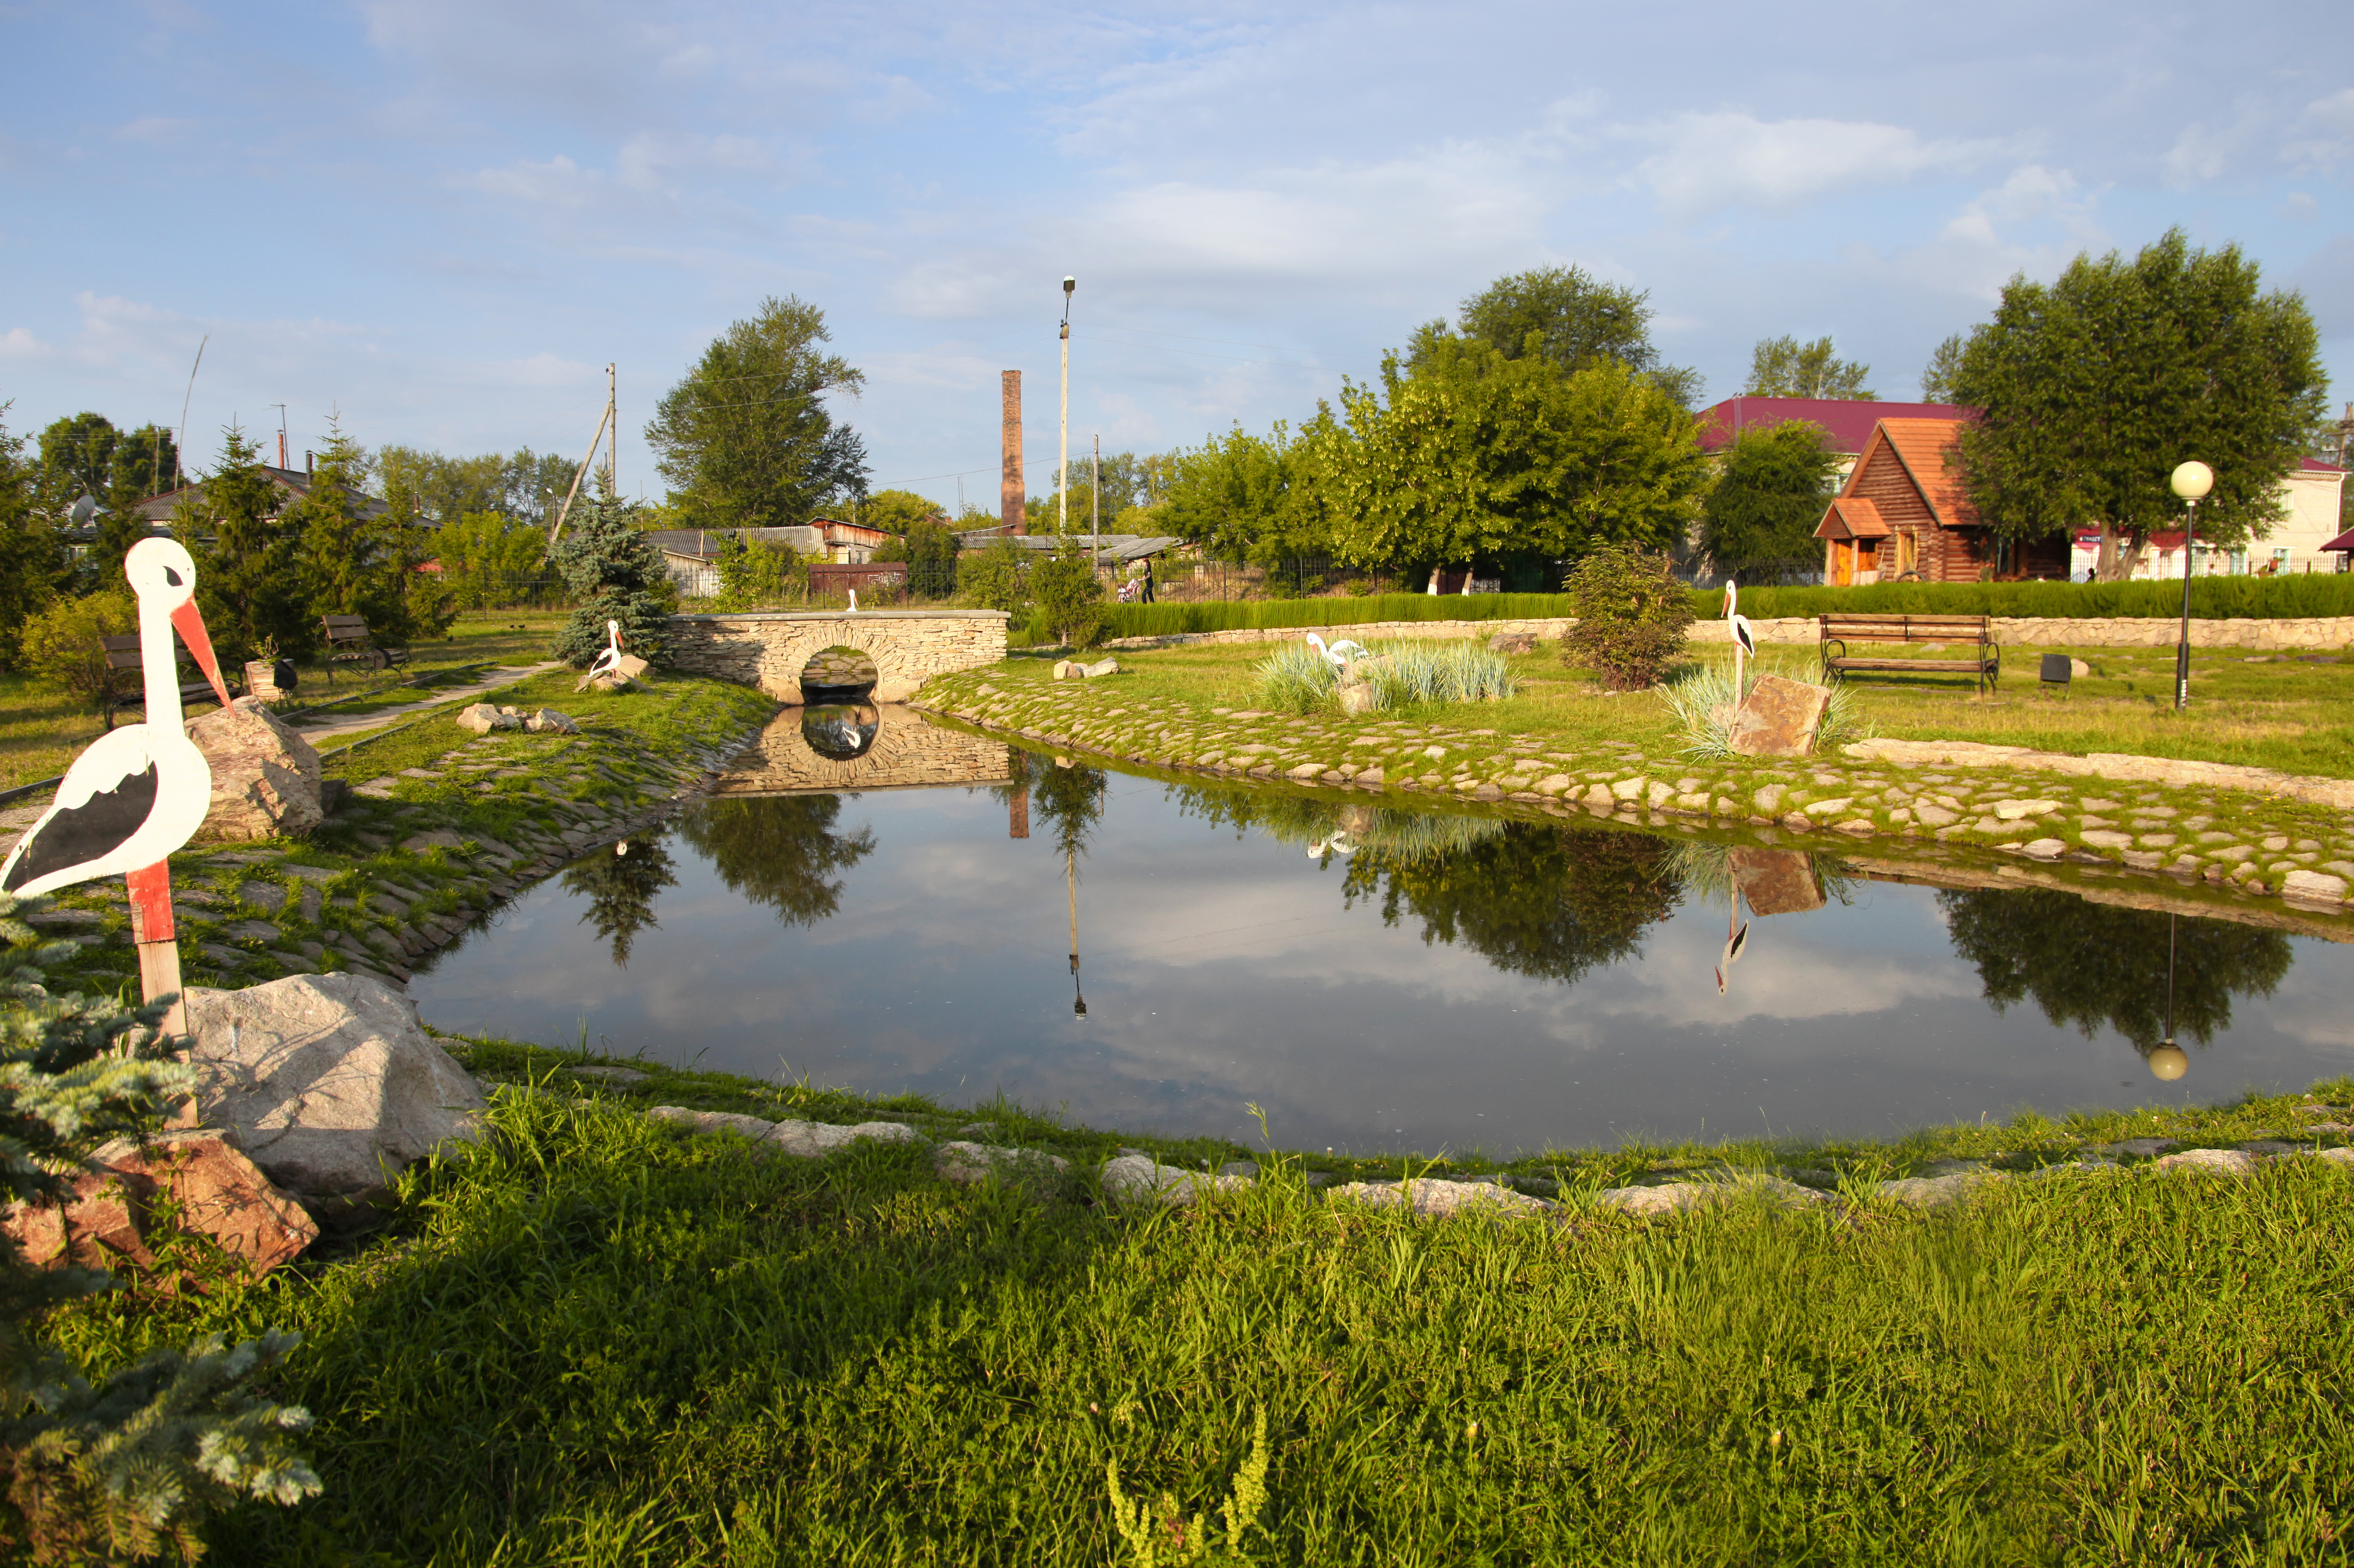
[[438, 221]]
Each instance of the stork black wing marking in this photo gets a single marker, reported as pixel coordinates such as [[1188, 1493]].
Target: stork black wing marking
[[81, 833]]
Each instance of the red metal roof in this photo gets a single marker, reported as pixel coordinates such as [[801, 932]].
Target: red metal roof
[[2343, 542], [1848, 422]]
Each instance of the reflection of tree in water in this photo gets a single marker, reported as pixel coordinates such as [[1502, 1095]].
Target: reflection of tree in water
[[1543, 900], [2090, 964], [781, 851], [621, 891], [1070, 798]]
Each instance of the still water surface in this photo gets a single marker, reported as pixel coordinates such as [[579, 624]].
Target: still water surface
[[1420, 981]]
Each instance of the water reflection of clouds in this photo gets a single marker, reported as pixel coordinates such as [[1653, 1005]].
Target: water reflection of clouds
[[1221, 967]]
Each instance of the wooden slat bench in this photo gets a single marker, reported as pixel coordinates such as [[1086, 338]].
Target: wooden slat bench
[[1839, 630], [123, 659], [348, 638]]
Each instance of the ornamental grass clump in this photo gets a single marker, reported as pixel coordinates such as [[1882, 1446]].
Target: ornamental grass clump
[[1294, 678], [1631, 614], [1459, 671], [1702, 703]]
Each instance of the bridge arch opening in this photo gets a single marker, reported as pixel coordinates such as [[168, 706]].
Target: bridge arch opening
[[838, 674]]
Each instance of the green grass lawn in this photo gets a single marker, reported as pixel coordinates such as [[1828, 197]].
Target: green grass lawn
[[42, 730], [2282, 713], [595, 1340]]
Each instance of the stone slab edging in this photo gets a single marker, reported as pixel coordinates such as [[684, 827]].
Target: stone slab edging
[[2022, 632], [1131, 1179], [2124, 767], [2308, 865]]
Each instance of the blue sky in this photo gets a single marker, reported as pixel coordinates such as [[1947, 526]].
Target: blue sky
[[442, 218]]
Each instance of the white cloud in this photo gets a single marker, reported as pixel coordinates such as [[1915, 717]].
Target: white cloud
[[157, 129], [17, 342], [2326, 133], [1709, 162]]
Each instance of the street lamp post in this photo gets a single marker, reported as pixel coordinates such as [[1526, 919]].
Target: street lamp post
[[1063, 463], [2192, 481]]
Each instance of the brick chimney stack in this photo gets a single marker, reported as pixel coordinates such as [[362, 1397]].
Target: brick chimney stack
[[1013, 491]]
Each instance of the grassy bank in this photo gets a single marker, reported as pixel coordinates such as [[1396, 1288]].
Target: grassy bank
[[2211, 598], [42, 730], [443, 824], [597, 1340]]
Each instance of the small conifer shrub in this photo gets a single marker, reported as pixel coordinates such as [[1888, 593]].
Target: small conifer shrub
[[615, 573]]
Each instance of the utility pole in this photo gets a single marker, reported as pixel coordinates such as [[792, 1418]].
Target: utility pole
[[1063, 463], [1094, 507], [612, 436]]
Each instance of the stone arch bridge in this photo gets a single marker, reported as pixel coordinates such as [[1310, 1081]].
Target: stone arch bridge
[[769, 648]]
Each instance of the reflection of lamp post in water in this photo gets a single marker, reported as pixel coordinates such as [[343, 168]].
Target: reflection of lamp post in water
[[2168, 1062], [1071, 880]]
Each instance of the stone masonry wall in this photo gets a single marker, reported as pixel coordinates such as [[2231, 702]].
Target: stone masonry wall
[[2011, 631], [908, 753], [768, 649]]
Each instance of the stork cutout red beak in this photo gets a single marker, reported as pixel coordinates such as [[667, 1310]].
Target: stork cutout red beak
[[190, 624]]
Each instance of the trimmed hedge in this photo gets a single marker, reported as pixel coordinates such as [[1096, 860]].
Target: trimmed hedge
[[2211, 598]]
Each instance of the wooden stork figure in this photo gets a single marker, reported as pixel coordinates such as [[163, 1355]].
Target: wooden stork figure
[[609, 660], [1342, 653], [139, 792], [1744, 638]]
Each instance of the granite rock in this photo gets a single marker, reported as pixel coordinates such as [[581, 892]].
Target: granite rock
[[265, 777]]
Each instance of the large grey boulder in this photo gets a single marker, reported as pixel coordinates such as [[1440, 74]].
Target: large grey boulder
[[327, 1082], [265, 777]]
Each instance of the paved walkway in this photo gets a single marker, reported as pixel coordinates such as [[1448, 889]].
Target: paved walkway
[[324, 728]]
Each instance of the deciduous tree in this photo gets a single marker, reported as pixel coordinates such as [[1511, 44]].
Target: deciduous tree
[[1939, 376], [32, 560], [1569, 319], [1760, 516], [746, 439], [2094, 387], [1785, 367], [1474, 456]]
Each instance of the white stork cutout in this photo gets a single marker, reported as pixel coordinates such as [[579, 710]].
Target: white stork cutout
[[1744, 640], [608, 663], [140, 791]]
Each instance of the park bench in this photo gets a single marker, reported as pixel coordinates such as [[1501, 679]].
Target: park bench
[[126, 678], [1839, 630], [348, 638]]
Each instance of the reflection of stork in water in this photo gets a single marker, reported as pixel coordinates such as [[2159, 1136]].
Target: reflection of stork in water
[[138, 792], [1338, 841], [1737, 942], [1341, 652]]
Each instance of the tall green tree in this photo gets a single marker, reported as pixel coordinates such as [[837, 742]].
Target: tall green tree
[[2095, 386], [1569, 319], [1477, 457], [487, 557], [1257, 499], [1759, 520], [615, 574], [1785, 367], [1939, 377], [746, 439], [32, 558], [250, 581], [362, 559]]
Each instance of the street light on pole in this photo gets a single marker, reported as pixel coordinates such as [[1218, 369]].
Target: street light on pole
[[2192, 481], [1063, 463]]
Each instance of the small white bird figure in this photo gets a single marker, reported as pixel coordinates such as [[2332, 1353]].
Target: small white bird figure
[[608, 661], [1338, 842], [621, 848], [853, 601], [1731, 597], [1341, 652]]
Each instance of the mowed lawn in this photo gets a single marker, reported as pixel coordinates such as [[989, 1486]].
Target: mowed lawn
[[596, 1341], [2272, 711], [43, 729]]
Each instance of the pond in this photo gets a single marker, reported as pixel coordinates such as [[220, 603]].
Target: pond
[[884, 905]]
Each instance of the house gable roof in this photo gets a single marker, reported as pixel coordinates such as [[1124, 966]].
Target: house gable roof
[[1852, 517], [1920, 448]]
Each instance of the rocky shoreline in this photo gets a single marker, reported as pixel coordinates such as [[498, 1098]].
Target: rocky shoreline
[[2230, 834]]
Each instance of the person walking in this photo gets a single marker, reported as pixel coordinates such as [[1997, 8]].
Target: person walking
[[1147, 579]]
